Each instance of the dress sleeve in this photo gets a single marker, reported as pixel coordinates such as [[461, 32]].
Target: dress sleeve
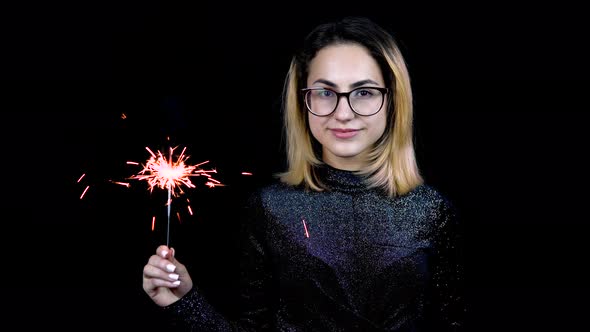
[[447, 305], [194, 313]]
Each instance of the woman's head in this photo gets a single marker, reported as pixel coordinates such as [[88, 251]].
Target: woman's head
[[370, 129]]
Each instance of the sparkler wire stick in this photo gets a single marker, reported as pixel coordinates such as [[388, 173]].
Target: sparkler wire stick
[[169, 206]]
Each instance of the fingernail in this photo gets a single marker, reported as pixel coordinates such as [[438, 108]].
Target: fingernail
[[176, 283], [173, 276], [164, 253], [170, 267]]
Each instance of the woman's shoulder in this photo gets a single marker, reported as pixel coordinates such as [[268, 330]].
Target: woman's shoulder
[[430, 196], [272, 190], [275, 186]]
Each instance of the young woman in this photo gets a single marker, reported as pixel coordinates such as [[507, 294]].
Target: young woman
[[350, 238]]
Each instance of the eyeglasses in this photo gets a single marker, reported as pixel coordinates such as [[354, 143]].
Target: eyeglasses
[[363, 101]]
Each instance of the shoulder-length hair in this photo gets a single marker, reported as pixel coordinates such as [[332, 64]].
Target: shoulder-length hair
[[391, 164]]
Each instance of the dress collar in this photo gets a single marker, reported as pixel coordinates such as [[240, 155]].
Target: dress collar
[[341, 180]]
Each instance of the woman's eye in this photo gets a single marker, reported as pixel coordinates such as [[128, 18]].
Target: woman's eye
[[326, 93], [363, 93]]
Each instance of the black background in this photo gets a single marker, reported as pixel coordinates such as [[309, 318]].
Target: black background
[[501, 111]]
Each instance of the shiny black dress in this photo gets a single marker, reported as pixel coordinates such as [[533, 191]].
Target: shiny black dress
[[348, 259]]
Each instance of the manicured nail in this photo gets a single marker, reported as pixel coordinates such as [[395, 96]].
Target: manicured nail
[[170, 267], [164, 253], [173, 276], [176, 283]]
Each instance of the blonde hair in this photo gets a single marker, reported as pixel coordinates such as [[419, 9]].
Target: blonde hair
[[392, 164]]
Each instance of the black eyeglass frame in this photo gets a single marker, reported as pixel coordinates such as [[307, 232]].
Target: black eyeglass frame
[[384, 91]]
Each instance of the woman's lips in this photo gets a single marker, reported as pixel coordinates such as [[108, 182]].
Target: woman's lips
[[344, 133]]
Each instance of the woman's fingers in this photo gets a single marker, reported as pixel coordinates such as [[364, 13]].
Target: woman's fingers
[[162, 263], [163, 251], [153, 272]]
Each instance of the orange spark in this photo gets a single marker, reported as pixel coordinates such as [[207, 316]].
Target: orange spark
[[84, 193], [126, 184], [305, 228]]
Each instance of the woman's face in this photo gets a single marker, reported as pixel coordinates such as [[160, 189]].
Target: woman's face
[[346, 137]]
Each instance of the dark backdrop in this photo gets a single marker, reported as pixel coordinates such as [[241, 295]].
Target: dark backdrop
[[501, 111]]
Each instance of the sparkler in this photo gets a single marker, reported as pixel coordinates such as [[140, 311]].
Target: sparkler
[[166, 173]]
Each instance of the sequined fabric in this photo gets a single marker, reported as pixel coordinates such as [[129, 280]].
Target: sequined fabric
[[347, 259]]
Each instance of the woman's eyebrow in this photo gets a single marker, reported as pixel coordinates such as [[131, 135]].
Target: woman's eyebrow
[[352, 86], [326, 82], [363, 82]]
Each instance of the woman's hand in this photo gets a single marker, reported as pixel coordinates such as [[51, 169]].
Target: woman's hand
[[165, 279]]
